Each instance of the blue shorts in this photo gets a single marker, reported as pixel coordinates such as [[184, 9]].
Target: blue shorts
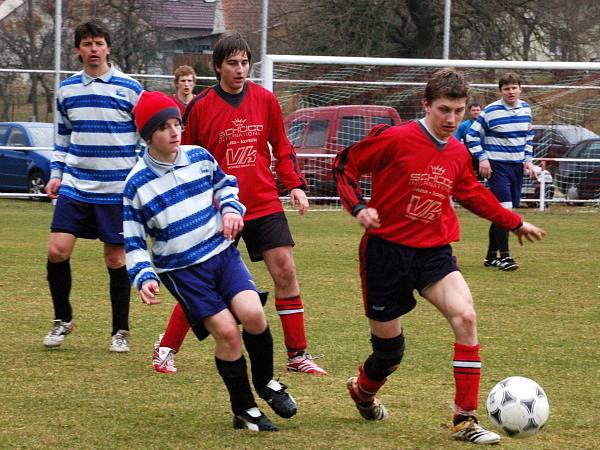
[[391, 272], [88, 220], [506, 182], [265, 233], [207, 288]]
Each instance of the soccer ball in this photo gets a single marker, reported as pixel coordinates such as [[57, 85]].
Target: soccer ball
[[518, 406]]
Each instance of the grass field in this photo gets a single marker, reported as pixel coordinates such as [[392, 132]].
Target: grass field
[[541, 321]]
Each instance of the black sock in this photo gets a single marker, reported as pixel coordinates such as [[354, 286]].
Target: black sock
[[260, 350], [59, 281], [492, 252], [502, 240], [236, 381], [120, 296]]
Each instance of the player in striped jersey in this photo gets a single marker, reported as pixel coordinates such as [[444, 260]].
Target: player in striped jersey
[[93, 153], [501, 140], [180, 198]]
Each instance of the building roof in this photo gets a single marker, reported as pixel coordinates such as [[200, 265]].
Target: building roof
[[182, 14]]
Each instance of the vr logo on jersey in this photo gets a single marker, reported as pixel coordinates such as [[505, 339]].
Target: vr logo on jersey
[[241, 156], [423, 210]]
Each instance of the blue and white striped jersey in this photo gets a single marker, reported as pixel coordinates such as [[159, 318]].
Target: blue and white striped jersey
[[95, 145], [502, 133], [180, 207]]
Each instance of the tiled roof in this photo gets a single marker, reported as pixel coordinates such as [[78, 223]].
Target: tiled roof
[[182, 14]]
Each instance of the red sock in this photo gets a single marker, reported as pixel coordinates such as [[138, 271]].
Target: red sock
[[291, 314], [467, 373], [367, 388], [177, 329]]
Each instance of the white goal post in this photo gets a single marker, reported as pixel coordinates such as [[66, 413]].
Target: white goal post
[[563, 96]]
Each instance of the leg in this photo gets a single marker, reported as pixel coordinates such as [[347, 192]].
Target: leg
[[120, 296], [387, 342], [452, 297], [60, 248], [231, 365], [176, 330], [259, 344]]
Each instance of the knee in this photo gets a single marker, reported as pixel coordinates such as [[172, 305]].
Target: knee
[[466, 321], [386, 357], [58, 253], [229, 335], [114, 258], [285, 274], [254, 322]]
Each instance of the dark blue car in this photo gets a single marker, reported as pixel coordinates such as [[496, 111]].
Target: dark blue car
[[25, 170]]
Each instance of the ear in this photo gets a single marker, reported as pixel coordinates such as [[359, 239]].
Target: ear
[[426, 105]]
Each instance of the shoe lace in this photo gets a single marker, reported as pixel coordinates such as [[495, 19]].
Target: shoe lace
[[57, 329], [313, 357], [119, 340]]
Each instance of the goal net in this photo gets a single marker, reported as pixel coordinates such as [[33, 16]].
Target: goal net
[[331, 102]]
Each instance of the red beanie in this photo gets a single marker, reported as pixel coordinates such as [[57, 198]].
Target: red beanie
[[152, 110]]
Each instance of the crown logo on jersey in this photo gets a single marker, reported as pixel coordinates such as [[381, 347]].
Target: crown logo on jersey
[[437, 170], [238, 122]]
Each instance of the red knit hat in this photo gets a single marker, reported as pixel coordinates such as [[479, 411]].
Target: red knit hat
[[152, 110]]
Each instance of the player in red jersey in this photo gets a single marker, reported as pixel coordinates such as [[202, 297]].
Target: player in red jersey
[[409, 225], [185, 80], [237, 121]]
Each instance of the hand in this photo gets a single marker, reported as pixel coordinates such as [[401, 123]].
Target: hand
[[530, 232], [233, 224], [52, 187], [148, 293], [529, 169], [368, 218], [485, 168], [299, 196]]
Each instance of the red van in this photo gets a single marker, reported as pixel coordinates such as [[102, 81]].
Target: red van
[[325, 131]]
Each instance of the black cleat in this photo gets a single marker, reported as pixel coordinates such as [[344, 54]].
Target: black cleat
[[508, 264], [493, 262], [275, 394], [254, 420]]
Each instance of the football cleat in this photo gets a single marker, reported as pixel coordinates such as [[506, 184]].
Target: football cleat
[[163, 360], [304, 362], [253, 419], [57, 333], [276, 395], [493, 262], [370, 410], [470, 430], [508, 264], [120, 342]]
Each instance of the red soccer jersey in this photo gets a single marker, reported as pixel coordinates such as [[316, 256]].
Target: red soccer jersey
[[237, 130], [180, 104], [413, 178]]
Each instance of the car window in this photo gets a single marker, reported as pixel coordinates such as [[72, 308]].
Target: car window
[[352, 130], [376, 120], [296, 132], [592, 151], [575, 134], [42, 137], [3, 130], [17, 138], [317, 133]]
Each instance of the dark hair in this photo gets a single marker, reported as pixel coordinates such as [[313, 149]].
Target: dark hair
[[446, 83], [93, 28], [227, 45], [475, 105], [182, 71], [509, 78]]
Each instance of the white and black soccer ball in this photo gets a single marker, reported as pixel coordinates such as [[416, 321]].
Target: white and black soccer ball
[[518, 406]]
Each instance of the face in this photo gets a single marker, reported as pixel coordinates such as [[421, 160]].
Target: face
[[510, 93], [474, 112], [165, 141], [443, 115], [93, 52], [184, 85], [233, 72]]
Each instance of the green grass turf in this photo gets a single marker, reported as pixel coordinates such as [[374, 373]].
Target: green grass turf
[[540, 321]]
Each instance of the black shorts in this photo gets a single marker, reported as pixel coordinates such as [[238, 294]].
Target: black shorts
[[390, 273], [265, 233]]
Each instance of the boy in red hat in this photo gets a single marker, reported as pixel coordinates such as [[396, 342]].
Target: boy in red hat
[[180, 197]]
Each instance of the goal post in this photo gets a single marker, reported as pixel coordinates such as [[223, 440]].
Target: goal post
[[561, 95]]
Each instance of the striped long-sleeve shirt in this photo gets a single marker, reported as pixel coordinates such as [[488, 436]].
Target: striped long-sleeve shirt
[[502, 133], [96, 140], [180, 207]]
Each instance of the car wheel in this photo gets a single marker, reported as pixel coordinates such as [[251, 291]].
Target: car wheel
[[36, 184]]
